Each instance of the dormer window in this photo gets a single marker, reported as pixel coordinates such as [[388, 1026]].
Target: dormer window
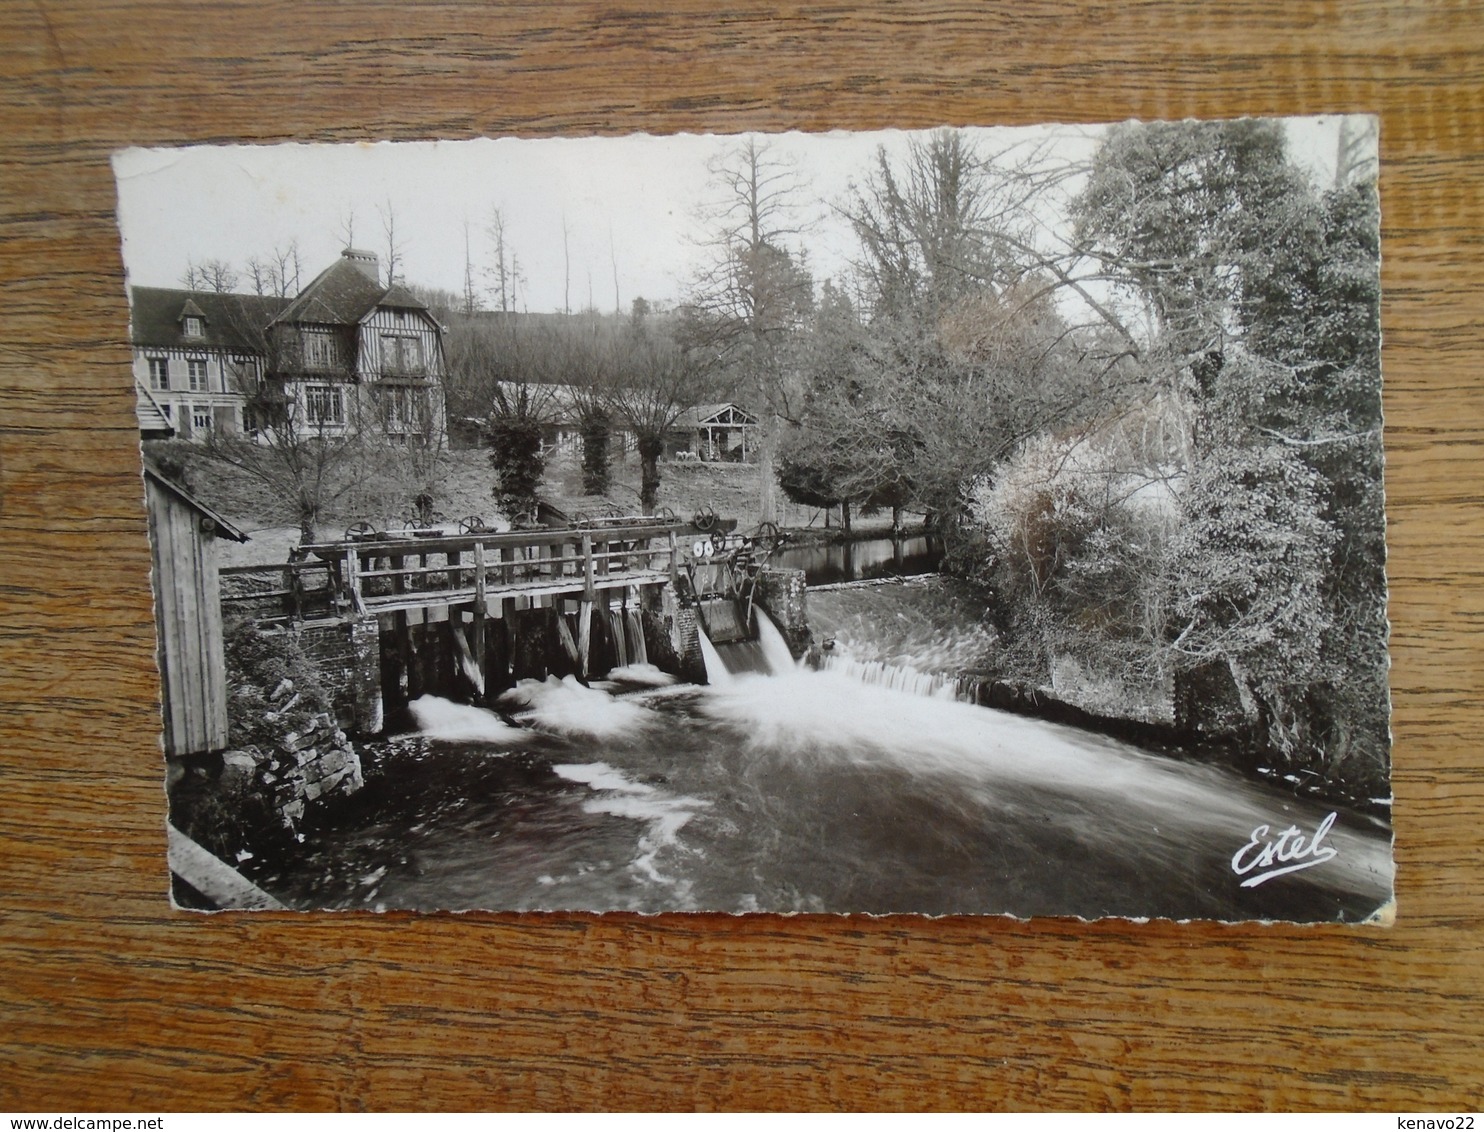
[[194, 327], [321, 350]]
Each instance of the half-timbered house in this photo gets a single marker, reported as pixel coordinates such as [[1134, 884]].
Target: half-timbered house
[[354, 355], [198, 356], [347, 354]]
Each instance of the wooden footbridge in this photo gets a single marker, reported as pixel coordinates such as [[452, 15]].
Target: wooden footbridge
[[485, 573]]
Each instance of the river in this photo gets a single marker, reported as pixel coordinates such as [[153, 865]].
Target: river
[[794, 790], [861, 559]]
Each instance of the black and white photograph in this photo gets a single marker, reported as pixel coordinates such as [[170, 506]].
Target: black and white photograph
[[977, 520]]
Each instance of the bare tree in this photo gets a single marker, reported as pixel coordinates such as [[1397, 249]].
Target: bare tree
[[613, 261], [300, 447], [1355, 151], [470, 297], [756, 294], [347, 228], [504, 273], [276, 274], [566, 268], [210, 275], [393, 244]]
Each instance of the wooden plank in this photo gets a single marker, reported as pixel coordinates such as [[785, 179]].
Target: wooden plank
[[516, 539], [213, 878], [584, 631], [536, 591]]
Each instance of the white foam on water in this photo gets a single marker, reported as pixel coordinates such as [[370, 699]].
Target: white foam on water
[[644, 675], [666, 817], [827, 715], [567, 708], [823, 716], [601, 776], [443, 719]]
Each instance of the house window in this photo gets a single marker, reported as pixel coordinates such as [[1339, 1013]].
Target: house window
[[200, 419], [324, 404], [193, 326], [321, 350], [242, 374], [196, 374], [400, 354], [159, 373], [403, 411]]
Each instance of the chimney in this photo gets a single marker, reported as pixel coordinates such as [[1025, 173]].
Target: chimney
[[364, 262]]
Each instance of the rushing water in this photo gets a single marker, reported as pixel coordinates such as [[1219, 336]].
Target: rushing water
[[800, 790]]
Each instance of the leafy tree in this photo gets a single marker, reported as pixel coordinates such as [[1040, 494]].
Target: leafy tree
[[1264, 299], [495, 368], [582, 359]]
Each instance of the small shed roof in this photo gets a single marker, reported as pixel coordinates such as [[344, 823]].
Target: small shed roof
[[701, 415], [223, 527]]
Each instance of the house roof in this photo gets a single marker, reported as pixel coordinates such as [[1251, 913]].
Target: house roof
[[340, 294], [151, 417], [223, 527], [699, 415], [399, 296], [230, 322]]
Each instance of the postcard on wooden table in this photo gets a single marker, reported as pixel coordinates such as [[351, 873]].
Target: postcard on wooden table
[[957, 521]]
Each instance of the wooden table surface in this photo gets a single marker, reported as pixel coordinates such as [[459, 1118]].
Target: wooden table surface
[[109, 1000]]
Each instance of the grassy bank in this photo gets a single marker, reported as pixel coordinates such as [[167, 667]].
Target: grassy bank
[[367, 490]]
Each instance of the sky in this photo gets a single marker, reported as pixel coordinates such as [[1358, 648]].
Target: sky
[[635, 207]]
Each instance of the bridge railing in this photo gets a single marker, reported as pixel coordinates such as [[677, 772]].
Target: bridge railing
[[389, 574]]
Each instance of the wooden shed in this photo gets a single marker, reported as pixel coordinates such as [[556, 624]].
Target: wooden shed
[[723, 431], [188, 615]]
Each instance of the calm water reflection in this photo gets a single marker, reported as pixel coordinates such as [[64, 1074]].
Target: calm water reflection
[[862, 560]]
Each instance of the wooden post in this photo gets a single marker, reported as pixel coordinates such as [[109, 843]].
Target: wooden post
[[479, 612], [585, 608], [674, 558], [401, 630], [507, 617]]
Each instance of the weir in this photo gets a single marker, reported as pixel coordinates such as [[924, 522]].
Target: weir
[[466, 617]]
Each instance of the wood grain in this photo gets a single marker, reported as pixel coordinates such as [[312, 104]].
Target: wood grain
[[111, 1001]]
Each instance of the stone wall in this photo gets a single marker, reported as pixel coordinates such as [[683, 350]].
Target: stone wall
[[672, 635], [784, 595], [347, 655], [312, 759], [298, 691]]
